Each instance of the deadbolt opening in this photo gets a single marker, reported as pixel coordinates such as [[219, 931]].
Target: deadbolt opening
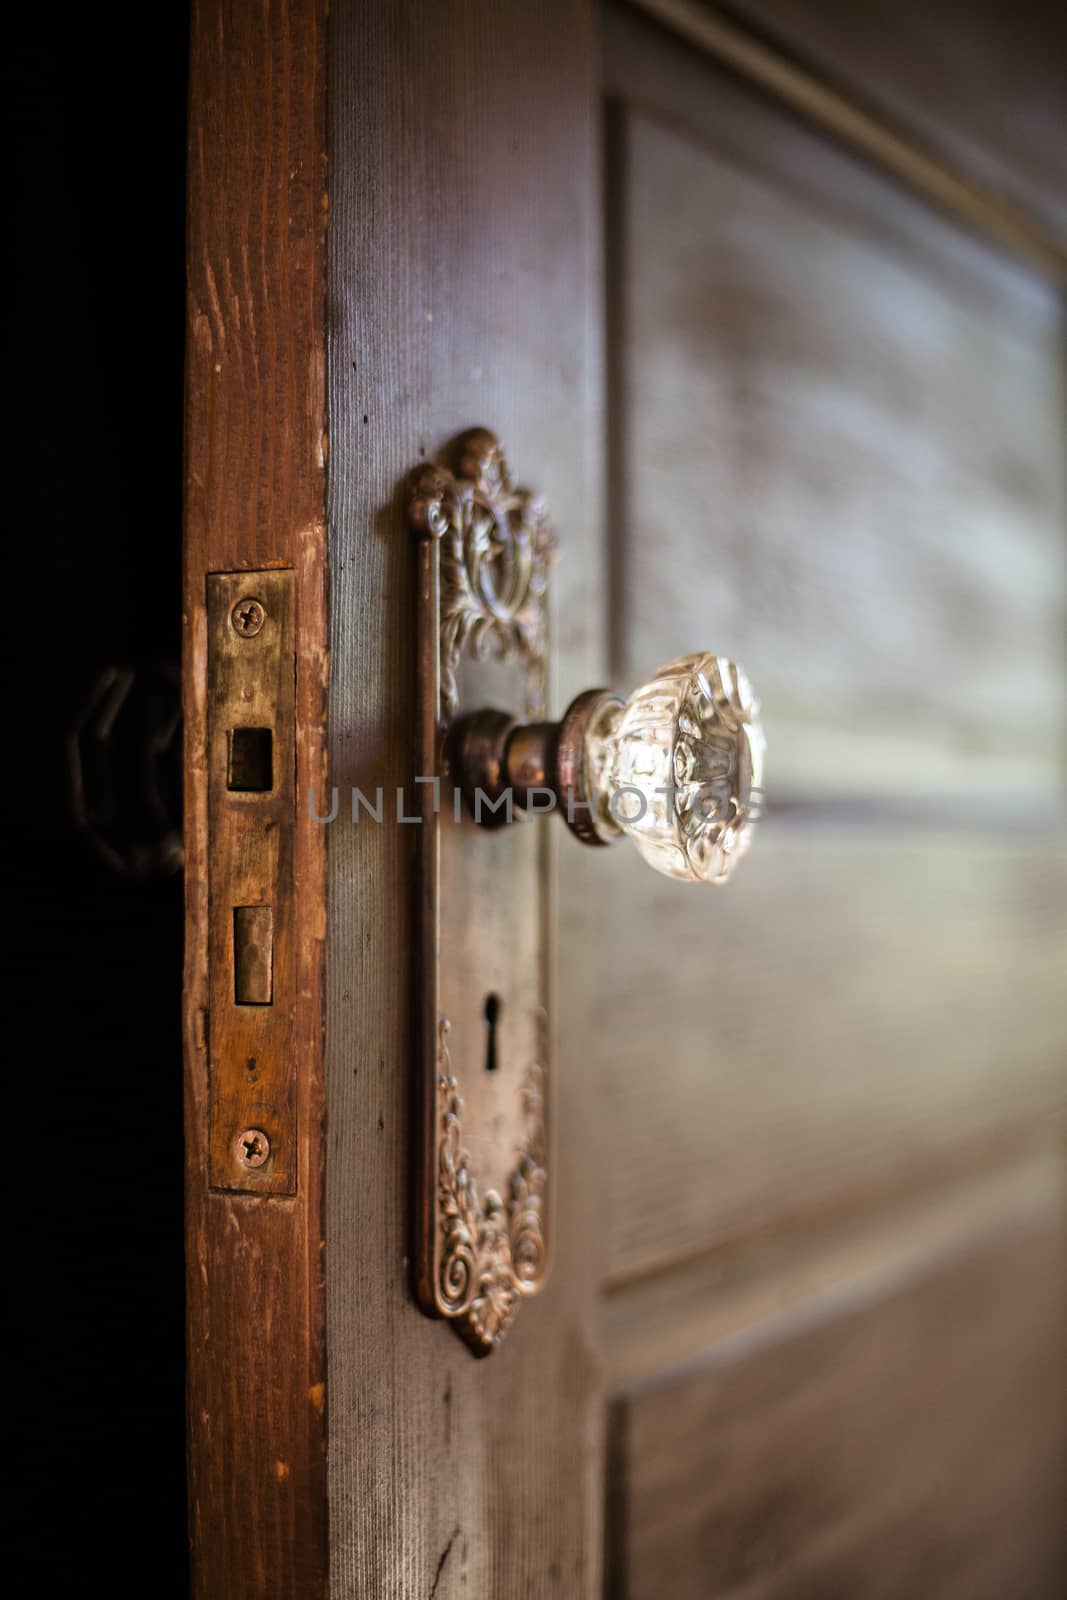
[[251, 764]]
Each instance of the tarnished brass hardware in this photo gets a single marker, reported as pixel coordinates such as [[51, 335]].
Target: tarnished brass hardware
[[248, 617], [251, 762], [251, 1149], [483, 1197], [678, 767]]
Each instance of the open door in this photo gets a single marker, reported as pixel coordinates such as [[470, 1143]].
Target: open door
[[784, 357]]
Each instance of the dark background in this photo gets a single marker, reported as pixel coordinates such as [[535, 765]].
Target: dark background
[[96, 213]]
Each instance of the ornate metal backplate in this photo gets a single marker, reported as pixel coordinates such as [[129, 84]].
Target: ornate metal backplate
[[483, 1079]]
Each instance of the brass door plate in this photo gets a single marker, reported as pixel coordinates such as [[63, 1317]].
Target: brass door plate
[[251, 756], [483, 1004]]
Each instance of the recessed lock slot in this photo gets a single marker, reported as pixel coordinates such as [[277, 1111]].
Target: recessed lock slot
[[253, 955], [251, 763]]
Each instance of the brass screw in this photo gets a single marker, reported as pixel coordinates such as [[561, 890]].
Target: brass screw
[[252, 1147], [248, 617]]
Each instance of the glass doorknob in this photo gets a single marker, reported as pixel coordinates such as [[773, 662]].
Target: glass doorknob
[[677, 768]]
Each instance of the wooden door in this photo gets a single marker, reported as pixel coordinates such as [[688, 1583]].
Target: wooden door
[[786, 358], [834, 1277]]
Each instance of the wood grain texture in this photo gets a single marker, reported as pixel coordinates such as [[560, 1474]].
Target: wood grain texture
[[255, 497], [856, 1248], [984, 84], [811, 471], [462, 291], [822, 475], [860, 1004], [802, 85], [914, 1443]]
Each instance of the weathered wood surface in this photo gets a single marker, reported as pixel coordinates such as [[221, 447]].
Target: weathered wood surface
[[855, 1005], [907, 1441], [463, 255], [854, 1248], [255, 497], [983, 85], [812, 470], [847, 116], [840, 452]]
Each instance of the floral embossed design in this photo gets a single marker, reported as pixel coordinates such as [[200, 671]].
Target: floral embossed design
[[493, 1251], [495, 548]]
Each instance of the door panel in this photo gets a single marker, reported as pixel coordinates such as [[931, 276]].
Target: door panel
[[841, 452], [858, 1004], [913, 1445], [982, 84], [812, 469], [834, 1238]]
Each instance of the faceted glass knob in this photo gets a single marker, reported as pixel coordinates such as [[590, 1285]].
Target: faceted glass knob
[[679, 767]]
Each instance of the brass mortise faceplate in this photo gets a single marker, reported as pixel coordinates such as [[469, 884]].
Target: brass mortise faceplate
[[251, 759]]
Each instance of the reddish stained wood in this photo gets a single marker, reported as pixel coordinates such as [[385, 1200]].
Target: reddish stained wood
[[255, 497]]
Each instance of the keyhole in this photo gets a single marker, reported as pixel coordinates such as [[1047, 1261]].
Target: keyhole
[[492, 1014]]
